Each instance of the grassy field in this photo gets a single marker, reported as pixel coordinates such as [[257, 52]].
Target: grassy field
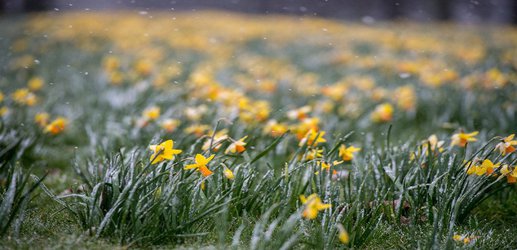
[[220, 130]]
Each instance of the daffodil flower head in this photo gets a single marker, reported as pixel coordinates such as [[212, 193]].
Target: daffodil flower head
[[343, 234], [382, 113], [507, 144], [201, 164], [163, 151], [237, 146], [347, 153], [461, 139], [56, 126], [42, 119], [35, 83], [313, 205], [314, 153], [151, 113], [228, 173], [312, 138]]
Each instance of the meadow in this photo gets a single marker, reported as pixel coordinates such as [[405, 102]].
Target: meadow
[[233, 131]]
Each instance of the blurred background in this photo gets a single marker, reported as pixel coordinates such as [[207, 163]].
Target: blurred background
[[463, 11]]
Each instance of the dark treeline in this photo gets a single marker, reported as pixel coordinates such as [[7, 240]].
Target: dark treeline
[[491, 11]]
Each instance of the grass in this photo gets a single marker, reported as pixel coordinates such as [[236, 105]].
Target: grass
[[279, 108]]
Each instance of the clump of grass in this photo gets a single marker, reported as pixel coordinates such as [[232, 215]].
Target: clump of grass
[[15, 185]]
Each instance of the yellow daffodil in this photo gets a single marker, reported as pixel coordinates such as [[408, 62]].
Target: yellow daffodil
[[299, 114], [511, 175], [163, 151], [56, 126], [195, 113], [274, 128], [343, 234], [115, 78], [151, 113], [312, 138], [42, 119], [228, 173], [219, 138], [464, 239], [314, 154], [143, 67], [313, 205], [382, 113], [489, 166], [486, 167], [326, 166], [197, 129], [237, 146], [434, 143], [507, 144], [461, 139], [24, 96], [4, 111], [405, 97], [35, 84], [201, 164], [20, 95], [305, 126], [111, 63], [169, 125], [347, 153], [1, 96]]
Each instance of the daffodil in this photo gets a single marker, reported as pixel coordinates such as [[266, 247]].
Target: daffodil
[[347, 153], [274, 128], [217, 142], [489, 166], [169, 125], [461, 139], [42, 119], [115, 78], [326, 166], [237, 146], [4, 111], [486, 167], [314, 153], [299, 114], [20, 95], [143, 67], [507, 144], [313, 206], [35, 84], [343, 234], [228, 173], [305, 126], [151, 113], [195, 113], [111, 63], [163, 151], [511, 175], [24, 96], [56, 126], [405, 97], [464, 239], [434, 143], [201, 164], [382, 113], [197, 129], [312, 138]]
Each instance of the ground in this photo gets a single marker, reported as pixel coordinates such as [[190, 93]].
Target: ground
[[216, 129]]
